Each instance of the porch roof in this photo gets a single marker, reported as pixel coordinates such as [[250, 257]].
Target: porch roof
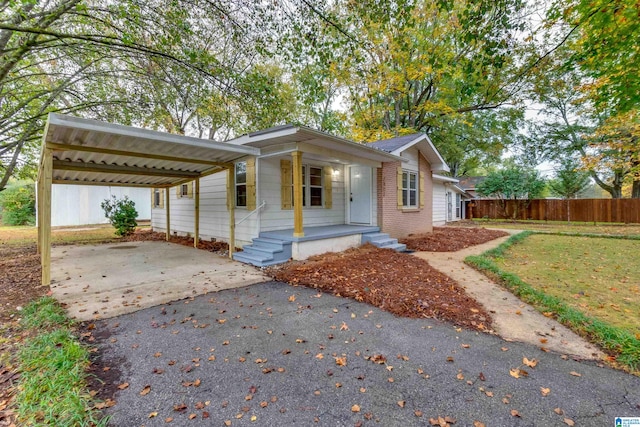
[[288, 136], [92, 152]]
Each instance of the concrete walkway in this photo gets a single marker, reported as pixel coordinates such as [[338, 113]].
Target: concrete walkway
[[101, 281], [513, 320]]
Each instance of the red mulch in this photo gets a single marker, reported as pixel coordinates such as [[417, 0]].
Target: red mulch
[[451, 239], [399, 283]]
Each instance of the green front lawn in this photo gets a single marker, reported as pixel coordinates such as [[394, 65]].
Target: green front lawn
[[610, 229], [590, 284], [598, 276]]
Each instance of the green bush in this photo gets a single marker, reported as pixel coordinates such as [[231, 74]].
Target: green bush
[[18, 205], [121, 214]]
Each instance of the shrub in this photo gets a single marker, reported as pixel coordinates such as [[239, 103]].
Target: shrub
[[121, 214], [18, 205]]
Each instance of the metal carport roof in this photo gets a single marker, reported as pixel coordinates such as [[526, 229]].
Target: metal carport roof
[[90, 152]]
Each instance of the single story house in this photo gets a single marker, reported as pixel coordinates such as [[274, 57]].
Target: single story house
[[309, 192], [284, 192], [449, 200]]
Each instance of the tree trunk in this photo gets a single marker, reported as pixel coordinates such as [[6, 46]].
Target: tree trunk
[[635, 189]]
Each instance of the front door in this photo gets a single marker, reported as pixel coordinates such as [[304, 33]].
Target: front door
[[360, 195]]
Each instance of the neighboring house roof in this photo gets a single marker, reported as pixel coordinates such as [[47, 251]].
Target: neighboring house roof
[[401, 143], [471, 182], [286, 137]]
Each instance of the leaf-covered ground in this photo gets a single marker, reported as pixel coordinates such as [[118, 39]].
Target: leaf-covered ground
[[398, 283], [451, 239]]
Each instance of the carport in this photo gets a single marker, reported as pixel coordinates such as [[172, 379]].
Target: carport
[[90, 152]]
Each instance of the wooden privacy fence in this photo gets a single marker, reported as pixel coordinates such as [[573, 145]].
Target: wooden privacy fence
[[583, 210]]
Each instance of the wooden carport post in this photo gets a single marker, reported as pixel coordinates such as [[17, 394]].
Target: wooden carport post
[[231, 203], [196, 219], [44, 214], [168, 214]]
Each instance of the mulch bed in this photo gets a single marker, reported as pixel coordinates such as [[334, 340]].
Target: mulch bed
[[402, 284], [451, 239]]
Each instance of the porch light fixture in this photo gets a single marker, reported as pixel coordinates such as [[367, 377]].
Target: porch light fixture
[[336, 171]]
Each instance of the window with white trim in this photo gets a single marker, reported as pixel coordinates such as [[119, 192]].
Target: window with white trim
[[157, 198], [409, 189], [312, 186], [458, 205], [241, 184]]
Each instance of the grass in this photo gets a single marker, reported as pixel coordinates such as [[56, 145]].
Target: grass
[[607, 229], [53, 380], [26, 235], [556, 272]]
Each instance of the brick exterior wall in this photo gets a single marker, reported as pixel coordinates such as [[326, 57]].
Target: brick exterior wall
[[399, 223]]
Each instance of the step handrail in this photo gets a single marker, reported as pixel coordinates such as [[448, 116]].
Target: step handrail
[[262, 205]]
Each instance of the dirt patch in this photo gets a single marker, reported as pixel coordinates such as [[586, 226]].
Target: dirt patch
[[451, 239], [399, 283], [221, 248], [20, 278]]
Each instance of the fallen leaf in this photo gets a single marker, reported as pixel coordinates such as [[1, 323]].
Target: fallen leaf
[[123, 386], [168, 420], [515, 413], [478, 424], [319, 356], [465, 346], [417, 413], [253, 418], [558, 411], [264, 404], [344, 327], [158, 354], [481, 377], [460, 376], [153, 414], [569, 422], [489, 393], [192, 416], [145, 390], [363, 390], [179, 407], [575, 374], [355, 408], [401, 403], [504, 348], [341, 361], [227, 423], [545, 391], [292, 298], [530, 363], [515, 373]]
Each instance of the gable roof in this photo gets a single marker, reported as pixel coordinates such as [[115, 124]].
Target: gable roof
[[288, 136], [401, 143]]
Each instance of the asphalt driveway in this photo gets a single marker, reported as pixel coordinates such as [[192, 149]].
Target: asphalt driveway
[[274, 355]]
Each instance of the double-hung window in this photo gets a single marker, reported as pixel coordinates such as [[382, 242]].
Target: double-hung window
[[409, 189], [241, 184], [312, 186]]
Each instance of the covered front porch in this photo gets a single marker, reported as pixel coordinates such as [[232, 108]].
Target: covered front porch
[[279, 246]]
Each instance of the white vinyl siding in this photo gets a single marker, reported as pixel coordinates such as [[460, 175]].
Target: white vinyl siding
[[273, 217], [439, 204]]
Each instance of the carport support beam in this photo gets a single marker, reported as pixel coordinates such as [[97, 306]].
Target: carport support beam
[[231, 203], [196, 219], [167, 214], [44, 204]]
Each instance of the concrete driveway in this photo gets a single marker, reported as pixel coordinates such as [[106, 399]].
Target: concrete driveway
[[106, 280]]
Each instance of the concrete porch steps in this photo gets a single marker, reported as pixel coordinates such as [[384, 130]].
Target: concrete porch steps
[[382, 240], [264, 252]]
